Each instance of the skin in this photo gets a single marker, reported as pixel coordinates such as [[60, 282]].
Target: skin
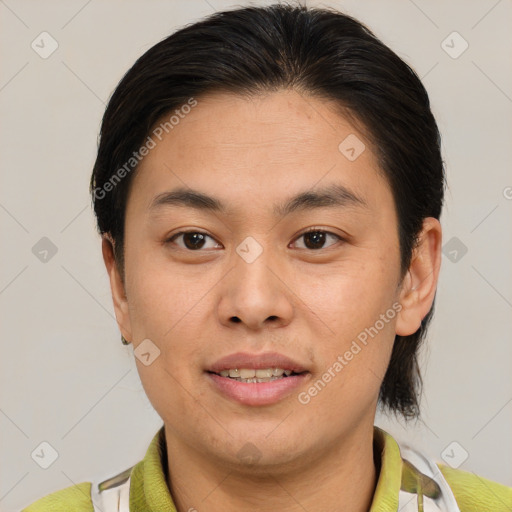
[[306, 303]]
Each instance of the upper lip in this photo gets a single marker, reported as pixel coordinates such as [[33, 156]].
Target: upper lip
[[257, 361]]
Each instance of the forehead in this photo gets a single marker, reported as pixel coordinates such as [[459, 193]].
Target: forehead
[[279, 124], [260, 147]]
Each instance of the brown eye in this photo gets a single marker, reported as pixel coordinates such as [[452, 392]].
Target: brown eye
[[315, 238], [192, 240]]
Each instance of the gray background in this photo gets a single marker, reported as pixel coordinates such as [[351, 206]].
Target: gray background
[[65, 377]]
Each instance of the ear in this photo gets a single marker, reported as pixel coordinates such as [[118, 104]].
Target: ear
[[117, 287], [420, 283]]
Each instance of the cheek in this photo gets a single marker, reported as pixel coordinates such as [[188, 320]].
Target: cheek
[[164, 298], [169, 391], [346, 387], [345, 298], [353, 309], [166, 308]]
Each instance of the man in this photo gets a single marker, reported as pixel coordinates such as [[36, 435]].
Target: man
[[268, 187]]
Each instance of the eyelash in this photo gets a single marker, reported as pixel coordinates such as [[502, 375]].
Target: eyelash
[[310, 230]]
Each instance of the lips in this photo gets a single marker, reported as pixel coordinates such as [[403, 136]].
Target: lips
[[289, 376]]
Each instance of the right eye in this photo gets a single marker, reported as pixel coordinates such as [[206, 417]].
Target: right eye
[[192, 240]]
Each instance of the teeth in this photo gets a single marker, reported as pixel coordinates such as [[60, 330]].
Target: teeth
[[255, 379], [262, 374], [252, 375]]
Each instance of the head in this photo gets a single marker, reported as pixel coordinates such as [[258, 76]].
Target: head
[[252, 107]]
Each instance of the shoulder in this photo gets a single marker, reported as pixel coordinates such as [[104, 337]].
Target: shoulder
[[76, 498], [474, 493]]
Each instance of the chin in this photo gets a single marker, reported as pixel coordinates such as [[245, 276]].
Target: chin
[[263, 451]]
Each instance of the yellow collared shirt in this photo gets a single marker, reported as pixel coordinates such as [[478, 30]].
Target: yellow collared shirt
[[149, 491]]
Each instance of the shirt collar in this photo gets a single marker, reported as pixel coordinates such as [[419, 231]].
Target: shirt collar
[[149, 490]]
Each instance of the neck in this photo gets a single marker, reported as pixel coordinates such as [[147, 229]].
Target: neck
[[343, 478]]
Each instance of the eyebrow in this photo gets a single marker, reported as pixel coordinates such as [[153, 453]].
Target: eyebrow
[[334, 195]]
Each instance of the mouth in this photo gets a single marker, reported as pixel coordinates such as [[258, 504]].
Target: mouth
[[256, 379]]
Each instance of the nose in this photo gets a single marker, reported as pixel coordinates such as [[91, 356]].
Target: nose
[[257, 292]]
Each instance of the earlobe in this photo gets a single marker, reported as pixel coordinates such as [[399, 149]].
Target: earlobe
[[420, 283], [116, 286]]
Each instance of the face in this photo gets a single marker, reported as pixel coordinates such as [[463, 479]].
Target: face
[[247, 287]]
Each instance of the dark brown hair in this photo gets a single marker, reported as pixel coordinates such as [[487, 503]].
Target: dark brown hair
[[319, 52]]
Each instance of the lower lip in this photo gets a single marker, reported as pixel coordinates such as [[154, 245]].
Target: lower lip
[[257, 393]]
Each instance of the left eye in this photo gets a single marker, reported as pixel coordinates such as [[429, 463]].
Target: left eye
[[194, 240], [316, 238]]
